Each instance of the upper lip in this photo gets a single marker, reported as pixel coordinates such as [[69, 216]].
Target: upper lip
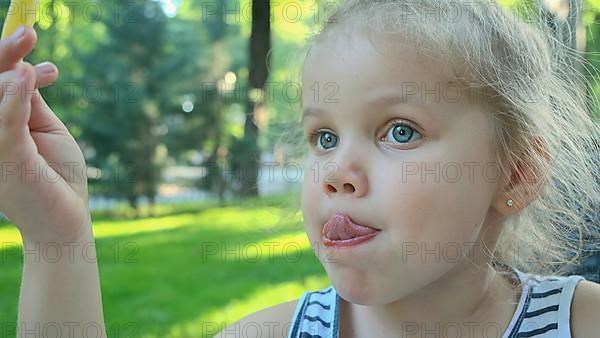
[[353, 219]]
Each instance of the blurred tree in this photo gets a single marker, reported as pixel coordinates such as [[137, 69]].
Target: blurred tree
[[260, 45], [211, 90], [240, 153], [129, 71]]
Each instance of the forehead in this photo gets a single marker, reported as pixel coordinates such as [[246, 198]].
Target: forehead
[[358, 66]]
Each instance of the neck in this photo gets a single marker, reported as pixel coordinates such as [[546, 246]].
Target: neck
[[466, 299]]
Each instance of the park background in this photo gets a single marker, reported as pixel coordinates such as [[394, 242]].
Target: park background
[[183, 110]]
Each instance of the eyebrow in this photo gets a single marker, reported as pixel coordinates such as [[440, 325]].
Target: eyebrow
[[310, 112], [387, 100]]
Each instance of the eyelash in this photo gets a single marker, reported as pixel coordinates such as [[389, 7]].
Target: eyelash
[[314, 133]]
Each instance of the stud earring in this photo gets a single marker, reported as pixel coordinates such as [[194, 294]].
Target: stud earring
[[509, 202]]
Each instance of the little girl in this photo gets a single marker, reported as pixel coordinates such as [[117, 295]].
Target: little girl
[[447, 182]]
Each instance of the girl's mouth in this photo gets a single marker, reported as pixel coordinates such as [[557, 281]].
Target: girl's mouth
[[341, 231]]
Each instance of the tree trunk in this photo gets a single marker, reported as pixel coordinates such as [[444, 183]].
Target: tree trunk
[[214, 160], [151, 204], [260, 44], [133, 202]]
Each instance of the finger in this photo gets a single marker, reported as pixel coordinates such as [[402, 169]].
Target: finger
[[17, 91], [42, 117], [16, 47], [46, 74]]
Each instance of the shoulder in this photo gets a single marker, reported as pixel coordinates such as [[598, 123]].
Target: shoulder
[[584, 310], [272, 322]]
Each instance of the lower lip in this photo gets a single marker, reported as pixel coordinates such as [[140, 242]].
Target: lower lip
[[349, 242]]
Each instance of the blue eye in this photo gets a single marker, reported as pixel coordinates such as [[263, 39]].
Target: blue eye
[[401, 132], [327, 138]]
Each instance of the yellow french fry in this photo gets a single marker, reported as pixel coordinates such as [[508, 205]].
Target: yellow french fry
[[20, 12]]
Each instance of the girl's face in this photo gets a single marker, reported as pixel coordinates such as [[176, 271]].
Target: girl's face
[[420, 169]]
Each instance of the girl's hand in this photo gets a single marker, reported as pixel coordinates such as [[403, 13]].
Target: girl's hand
[[43, 185]]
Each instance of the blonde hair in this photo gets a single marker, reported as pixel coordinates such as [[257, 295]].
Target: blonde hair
[[541, 115]]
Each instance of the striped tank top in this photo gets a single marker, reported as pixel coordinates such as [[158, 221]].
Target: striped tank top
[[543, 310]]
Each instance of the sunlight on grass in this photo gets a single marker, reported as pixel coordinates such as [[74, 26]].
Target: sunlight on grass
[[233, 218], [166, 276], [299, 240], [209, 324], [288, 248]]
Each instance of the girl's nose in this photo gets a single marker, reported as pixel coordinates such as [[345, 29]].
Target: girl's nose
[[349, 180]]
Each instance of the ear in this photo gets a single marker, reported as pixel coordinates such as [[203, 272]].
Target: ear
[[524, 185]]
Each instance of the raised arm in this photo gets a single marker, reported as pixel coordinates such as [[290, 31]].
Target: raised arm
[[44, 193], [61, 291]]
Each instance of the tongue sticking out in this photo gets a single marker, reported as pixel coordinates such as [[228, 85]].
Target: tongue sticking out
[[341, 227]]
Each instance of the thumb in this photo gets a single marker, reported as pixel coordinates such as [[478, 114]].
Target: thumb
[[42, 117]]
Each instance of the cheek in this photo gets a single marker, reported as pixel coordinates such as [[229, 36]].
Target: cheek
[[434, 204], [310, 205]]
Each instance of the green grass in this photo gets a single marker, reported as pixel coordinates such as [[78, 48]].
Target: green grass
[[165, 276]]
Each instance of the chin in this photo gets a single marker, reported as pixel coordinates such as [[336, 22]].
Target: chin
[[359, 294], [357, 289]]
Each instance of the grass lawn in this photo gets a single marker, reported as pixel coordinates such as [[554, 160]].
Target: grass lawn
[[190, 270]]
